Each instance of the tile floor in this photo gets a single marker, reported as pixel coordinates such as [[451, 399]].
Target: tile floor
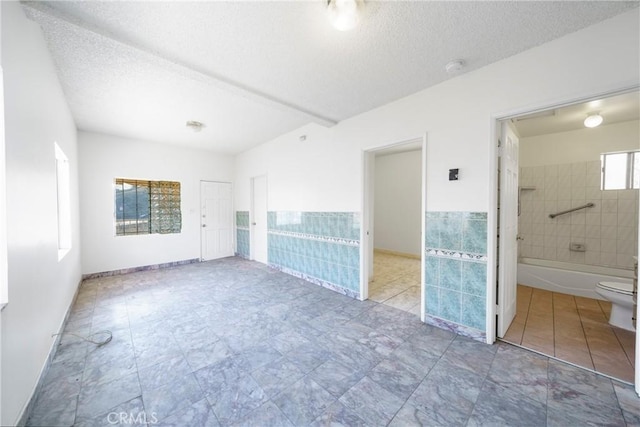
[[231, 342], [396, 282], [574, 329]]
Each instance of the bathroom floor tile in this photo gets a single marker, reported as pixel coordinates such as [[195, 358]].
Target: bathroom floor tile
[[574, 329]]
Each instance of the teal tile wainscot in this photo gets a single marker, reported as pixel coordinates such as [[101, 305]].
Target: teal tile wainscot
[[242, 234], [456, 272], [321, 247]]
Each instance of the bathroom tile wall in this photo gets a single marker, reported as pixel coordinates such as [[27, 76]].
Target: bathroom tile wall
[[608, 230], [456, 271], [243, 241], [322, 247]]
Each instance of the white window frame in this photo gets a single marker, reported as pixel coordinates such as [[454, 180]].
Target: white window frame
[[630, 175]]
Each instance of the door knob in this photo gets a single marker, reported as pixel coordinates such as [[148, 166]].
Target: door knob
[[253, 223], [204, 225]]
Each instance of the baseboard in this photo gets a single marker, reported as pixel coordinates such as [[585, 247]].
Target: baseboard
[[402, 254], [28, 408], [136, 269]]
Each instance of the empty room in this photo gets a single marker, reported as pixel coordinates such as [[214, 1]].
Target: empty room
[[342, 212]]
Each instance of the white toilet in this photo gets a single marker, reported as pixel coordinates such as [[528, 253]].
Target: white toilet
[[621, 297]]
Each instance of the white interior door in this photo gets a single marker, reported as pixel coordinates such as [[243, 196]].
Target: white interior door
[[217, 220], [259, 219], [508, 229]]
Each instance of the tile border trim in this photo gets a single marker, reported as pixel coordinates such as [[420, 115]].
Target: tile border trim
[[316, 281], [336, 240], [136, 269], [467, 256], [448, 325]]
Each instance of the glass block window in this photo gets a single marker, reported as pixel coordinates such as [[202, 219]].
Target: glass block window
[[621, 171], [146, 207]]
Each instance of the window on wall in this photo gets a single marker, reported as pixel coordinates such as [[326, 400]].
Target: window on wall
[[147, 207], [620, 171], [63, 202]]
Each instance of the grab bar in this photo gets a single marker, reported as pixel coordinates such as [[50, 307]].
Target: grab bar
[[588, 205]]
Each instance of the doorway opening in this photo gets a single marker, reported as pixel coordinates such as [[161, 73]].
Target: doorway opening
[[563, 231], [393, 220]]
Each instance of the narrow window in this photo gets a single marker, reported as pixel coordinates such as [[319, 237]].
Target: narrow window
[[64, 202], [620, 171], [146, 207]]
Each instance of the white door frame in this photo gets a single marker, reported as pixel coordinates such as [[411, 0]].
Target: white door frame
[[493, 203], [367, 203], [252, 212]]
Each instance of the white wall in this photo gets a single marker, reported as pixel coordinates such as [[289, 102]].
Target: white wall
[[582, 145], [398, 202], [324, 172], [104, 158], [40, 288]]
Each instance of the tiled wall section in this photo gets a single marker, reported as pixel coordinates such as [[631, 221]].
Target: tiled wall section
[[322, 247], [242, 234], [456, 271], [608, 230]]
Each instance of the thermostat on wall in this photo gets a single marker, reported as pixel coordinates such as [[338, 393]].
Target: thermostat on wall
[[453, 174]]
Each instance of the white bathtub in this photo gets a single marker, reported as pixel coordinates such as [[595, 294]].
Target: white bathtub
[[568, 278]]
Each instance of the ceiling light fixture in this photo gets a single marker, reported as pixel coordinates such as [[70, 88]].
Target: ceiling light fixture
[[343, 14], [195, 125], [454, 66], [593, 120]]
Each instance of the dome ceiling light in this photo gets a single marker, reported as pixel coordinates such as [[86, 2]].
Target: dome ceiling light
[[343, 14], [593, 120]]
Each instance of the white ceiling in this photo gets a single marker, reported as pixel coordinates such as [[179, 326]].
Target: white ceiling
[[252, 70], [614, 109]]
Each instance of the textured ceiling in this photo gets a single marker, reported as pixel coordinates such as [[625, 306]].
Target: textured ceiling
[[253, 70]]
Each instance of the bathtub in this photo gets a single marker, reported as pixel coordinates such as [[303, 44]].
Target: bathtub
[[568, 278]]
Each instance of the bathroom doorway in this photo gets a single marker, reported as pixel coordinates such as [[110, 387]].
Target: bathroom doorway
[[394, 223], [574, 231]]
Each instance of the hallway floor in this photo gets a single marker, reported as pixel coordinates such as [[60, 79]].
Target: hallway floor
[[396, 282], [574, 329], [232, 342]]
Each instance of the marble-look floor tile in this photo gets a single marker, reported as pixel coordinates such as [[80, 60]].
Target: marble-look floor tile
[[270, 349], [372, 403], [128, 413], [277, 376], [497, 405], [304, 401], [198, 414], [235, 400], [173, 396], [98, 398], [268, 414], [166, 372], [336, 377], [447, 395], [520, 371], [338, 415]]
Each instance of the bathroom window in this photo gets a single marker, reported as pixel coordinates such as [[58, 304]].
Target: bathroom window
[[620, 171], [147, 207]]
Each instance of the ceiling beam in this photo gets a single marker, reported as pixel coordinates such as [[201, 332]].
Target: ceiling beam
[[44, 14]]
